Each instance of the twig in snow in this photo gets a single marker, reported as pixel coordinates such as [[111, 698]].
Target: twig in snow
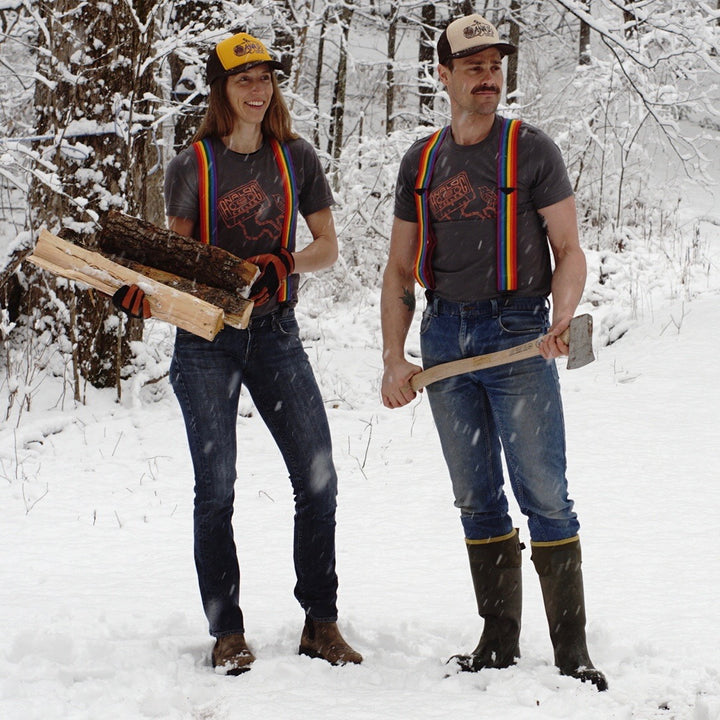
[[30, 505], [117, 443]]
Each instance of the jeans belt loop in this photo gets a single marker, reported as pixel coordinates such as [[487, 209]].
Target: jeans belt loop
[[494, 307], [431, 301]]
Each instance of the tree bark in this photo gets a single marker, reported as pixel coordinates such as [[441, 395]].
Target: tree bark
[[337, 111], [584, 44], [133, 239], [512, 61], [318, 75], [93, 102], [630, 21], [390, 68], [185, 93], [426, 60]]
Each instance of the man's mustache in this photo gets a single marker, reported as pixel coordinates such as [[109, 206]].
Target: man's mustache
[[485, 88]]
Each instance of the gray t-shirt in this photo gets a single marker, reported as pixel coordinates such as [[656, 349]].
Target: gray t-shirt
[[250, 196], [463, 211]]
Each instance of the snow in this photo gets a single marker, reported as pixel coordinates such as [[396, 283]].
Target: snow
[[100, 610]]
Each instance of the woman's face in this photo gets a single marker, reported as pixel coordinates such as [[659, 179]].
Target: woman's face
[[249, 93]]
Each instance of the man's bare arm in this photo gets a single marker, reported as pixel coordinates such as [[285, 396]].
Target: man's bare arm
[[568, 281], [397, 309]]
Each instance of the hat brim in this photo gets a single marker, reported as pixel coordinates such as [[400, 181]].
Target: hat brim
[[504, 48], [273, 64]]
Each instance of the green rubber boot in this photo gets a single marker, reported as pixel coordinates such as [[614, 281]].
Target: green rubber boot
[[558, 565], [497, 579]]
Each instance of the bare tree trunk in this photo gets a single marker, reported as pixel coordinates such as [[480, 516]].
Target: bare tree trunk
[[184, 90], [584, 44], [97, 64], [318, 75], [285, 34], [337, 111], [426, 60], [466, 8], [629, 19], [512, 61], [394, 16]]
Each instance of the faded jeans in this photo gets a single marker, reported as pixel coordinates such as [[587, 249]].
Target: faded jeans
[[513, 409], [269, 359]]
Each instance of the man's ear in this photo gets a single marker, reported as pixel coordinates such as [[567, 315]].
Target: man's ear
[[443, 73]]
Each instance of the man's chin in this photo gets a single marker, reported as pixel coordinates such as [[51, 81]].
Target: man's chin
[[486, 108]]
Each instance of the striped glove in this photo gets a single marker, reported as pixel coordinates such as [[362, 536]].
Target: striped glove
[[131, 300], [274, 268]]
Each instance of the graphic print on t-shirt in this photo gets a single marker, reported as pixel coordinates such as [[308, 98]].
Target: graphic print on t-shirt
[[456, 199], [249, 207]]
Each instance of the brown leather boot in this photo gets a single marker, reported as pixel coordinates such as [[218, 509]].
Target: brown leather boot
[[323, 640], [231, 655]]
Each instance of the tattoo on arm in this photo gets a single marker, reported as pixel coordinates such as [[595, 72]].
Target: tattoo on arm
[[408, 299]]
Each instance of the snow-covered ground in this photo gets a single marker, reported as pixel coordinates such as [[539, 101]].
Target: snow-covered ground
[[99, 610]]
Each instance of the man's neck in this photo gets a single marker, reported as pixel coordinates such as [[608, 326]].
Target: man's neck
[[470, 129]]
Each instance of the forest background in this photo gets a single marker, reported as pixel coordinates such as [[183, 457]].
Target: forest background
[[96, 97], [99, 609]]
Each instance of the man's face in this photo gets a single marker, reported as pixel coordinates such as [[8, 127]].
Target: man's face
[[475, 82]]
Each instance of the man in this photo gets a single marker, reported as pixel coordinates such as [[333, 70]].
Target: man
[[458, 196]]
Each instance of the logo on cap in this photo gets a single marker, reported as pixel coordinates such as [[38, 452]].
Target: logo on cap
[[478, 29], [248, 47]]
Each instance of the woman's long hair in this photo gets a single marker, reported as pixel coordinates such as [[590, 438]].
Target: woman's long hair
[[218, 120]]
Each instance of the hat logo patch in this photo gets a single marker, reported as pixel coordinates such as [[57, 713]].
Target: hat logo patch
[[248, 48], [478, 29]]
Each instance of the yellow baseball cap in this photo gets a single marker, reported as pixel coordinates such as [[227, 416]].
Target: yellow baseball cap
[[235, 54]]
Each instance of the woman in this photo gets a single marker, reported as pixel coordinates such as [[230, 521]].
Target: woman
[[240, 186]]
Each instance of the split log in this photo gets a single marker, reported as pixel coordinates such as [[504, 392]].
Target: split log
[[167, 303], [236, 309], [128, 237]]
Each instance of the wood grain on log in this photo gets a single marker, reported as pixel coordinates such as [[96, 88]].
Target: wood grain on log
[[237, 309]]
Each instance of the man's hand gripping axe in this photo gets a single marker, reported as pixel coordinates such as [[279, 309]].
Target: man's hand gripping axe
[[578, 337]]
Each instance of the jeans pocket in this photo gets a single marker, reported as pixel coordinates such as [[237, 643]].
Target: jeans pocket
[[426, 321], [286, 325], [524, 321]]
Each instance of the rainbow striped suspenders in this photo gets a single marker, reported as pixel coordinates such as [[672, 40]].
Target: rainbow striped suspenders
[[287, 173], [207, 195], [507, 206], [506, 235], [207, 191], [426, 245]]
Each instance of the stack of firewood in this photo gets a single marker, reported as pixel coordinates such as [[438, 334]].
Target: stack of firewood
[[197, 287]]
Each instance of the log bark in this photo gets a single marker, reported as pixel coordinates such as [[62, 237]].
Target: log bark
[[167, 301], [128, 237]]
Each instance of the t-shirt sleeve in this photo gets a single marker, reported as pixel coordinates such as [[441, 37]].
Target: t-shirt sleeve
[[314, 192], [181, 186], [405, 187], [549, 183]]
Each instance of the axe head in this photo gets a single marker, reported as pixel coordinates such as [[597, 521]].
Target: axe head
[[581, 351]]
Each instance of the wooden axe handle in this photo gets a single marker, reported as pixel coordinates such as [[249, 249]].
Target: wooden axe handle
[[480, 362]]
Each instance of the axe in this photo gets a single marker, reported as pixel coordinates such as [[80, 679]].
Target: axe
[[578, 337]]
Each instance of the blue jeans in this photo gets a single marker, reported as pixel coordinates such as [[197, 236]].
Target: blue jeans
[[269, 359], [516, 407]]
